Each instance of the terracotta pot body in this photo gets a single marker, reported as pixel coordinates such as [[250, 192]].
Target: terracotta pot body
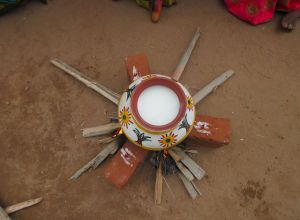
[[153, 133]]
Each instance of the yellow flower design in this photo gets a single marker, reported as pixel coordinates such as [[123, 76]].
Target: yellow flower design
[[168, 140], [189, 104], [150, 76], [125, 117]]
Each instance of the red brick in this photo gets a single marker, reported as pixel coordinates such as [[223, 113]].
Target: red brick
[[117, 171], [140, 62], [210, 130], [124, 164]]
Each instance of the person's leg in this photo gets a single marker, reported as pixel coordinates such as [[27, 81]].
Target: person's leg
[[292, 7], [289, 20]]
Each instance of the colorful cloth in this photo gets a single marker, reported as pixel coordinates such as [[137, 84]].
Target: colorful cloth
[[6, 5], [259, 11], [148, 3]]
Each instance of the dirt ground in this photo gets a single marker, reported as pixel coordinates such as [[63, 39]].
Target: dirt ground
[[42, 110]]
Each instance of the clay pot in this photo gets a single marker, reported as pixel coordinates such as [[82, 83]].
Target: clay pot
[[156, 112]]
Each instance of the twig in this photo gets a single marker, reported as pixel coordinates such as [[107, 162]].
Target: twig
[[158, 184], [181, 167], [191, 151], [189, 186], [196, 188], [168, 186], [184, 171], [106, 140], [185, 57], [100, 130], [3, 215], [175, 156], [106, 92], [96, 161], [196, 170], [22, 205], [201, 94]]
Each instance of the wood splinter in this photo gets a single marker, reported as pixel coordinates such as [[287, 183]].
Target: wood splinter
[[100, 130], [106, 92], [175, 156], [158, 184], [16, 207], [193, 167], [189, 186], [99, 158], [209, 88], [22, 205]]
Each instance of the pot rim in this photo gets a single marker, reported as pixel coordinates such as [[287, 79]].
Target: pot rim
[[162, 81]]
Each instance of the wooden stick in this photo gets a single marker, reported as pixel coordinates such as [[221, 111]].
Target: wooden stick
[[191, 151], [96, 161], [201, 94], [106, 140], [3, 215], [175, 156], [188, 185], [158, 184], [184, 171], [181, 167], [195, 169], [196, 188], [22, 205], [185, 57], [100, 130], [107, 93], [168, 186]]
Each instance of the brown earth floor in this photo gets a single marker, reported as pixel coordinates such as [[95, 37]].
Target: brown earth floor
[[42, 110]]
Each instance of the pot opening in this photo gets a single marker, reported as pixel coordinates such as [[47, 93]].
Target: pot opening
[[158, 105]]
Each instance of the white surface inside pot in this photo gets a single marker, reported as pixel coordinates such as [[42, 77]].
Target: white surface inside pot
[[158, 105]]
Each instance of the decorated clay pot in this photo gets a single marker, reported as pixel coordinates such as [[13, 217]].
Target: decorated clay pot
[[156, 112]]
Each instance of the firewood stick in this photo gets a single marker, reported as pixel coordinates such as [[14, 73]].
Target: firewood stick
[[184, 170], [185, 57], [196, 188], [100, 130], [3, 215], [191, 151], [202, 93], [158, 184], [107, 93], [193, 167], [168, 186], [181, 167], [99, 158], [189, 186], [106, 140], [22, 205], [175, 156]]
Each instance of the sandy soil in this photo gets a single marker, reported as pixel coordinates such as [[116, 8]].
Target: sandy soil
[[42, 110]]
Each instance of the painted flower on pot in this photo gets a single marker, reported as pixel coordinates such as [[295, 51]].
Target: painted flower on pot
[[168, 140], [189, 102], [125, 117]]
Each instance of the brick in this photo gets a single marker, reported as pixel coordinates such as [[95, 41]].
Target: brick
[[124, 164], [210, 131], [119, 170], [137, 65]]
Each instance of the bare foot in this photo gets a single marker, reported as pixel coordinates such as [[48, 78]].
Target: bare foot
[[289, 20]]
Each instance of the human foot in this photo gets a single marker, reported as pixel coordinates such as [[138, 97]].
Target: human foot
[[289, 20]]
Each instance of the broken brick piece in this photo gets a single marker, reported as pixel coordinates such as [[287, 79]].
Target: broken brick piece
[[124, 164], [137, 66], [210, 130]]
